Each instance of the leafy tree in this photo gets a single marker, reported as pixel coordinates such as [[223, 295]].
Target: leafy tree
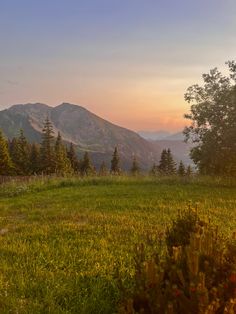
[[71, 154], [86, 166], [62, 163], [47, 148], [181, 169], [115, 163], [6, 166], [213, 122], [135, 170], [103, 171]]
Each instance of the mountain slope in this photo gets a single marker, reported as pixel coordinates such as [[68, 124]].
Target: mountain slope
[[86, 130]]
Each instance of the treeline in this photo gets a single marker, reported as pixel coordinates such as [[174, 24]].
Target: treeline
[[21, 158], [168, 167]]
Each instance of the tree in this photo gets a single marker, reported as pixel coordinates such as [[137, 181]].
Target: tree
[[135, 170], [47, 148], [171, 165], [115, 162], [62, 163], [34, 159], [181, 169], [6, 166], [167, 165], [213, 122], [103, 171], [154, 171], [189, 171], [163, 164], [19, 150], [71, 154], [86, 166]]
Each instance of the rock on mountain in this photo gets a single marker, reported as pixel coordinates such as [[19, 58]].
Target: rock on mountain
[[83, 128]]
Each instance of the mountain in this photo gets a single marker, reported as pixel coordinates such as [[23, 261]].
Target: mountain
[[175, 137], [154, 135], [83, 128], [179, 149], [175, 141]]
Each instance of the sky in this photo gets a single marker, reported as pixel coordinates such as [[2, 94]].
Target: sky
[[128, 61]]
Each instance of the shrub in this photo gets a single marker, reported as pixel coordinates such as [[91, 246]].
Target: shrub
[[197, 275]]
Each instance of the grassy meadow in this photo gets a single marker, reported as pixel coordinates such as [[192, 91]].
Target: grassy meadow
[[66, 243]]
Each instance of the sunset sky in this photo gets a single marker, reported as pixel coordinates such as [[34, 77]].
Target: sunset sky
[[129, 61]]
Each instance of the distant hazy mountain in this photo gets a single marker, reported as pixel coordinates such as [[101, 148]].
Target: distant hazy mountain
[[165, 140], [154, 135], [86, 130], [175, 137], [179, 148]]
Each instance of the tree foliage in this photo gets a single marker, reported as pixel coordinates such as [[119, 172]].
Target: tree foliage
[[135, 169], [62, 163], [115, 163], [47, 148], [6, 166], [213, 122], [167, 164], [181, 169]]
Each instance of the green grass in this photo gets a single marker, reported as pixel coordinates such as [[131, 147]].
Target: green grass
[[63, 242]]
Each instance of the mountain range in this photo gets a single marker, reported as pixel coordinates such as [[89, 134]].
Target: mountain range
[[85, 130]]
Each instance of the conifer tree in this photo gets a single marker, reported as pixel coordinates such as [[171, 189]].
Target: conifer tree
[[34, 159], [22, 160], [154, 170], [181, 169], [62, 163], [86, 166], [135, 170], [171, 165], [71, 154], [47, 148], [115, 163], [189, 171], [103, 171], [6, 166], [163, 164]]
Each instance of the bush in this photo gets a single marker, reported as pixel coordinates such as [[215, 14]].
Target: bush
[[197, 275]]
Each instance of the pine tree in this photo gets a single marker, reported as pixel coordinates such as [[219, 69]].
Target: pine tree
[[47, 148], [103, 171], [13, 151], [19, 150], [181, 169], [163, 164], [171, 165], [154, 171], [86, 166], [135, 170], [62, 163], [6, 166], [189, 171], [34, 159], [22, 161], [71, 154], [115, 163]]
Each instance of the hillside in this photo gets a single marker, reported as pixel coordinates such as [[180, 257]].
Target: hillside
[[85, 129]]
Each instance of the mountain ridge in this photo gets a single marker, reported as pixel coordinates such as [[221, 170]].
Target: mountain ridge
[[85, 129]]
